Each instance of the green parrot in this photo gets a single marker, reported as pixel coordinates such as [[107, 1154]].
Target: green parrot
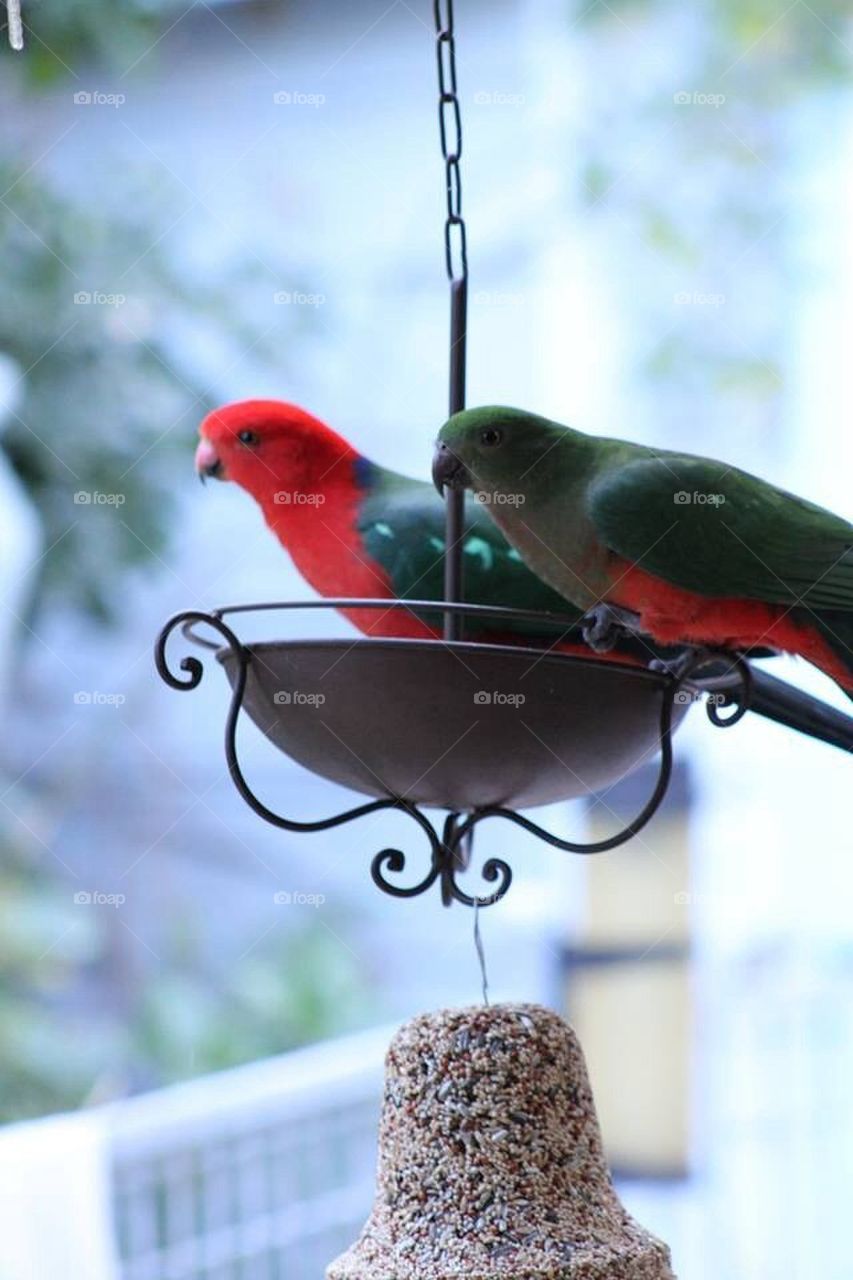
[[681, 548]]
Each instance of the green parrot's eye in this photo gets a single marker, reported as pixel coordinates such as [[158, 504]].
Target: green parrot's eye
[[490, 437], [248, 437]]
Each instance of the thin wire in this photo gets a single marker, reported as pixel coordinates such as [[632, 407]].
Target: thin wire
[[481, 955]]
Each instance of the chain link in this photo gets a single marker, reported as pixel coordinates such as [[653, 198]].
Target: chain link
[[450, 129]]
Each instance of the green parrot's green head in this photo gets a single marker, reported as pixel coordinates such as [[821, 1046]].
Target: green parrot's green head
[[494, 447]]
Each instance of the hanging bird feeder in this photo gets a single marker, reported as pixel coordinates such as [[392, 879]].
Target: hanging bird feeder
[[490, 1160], [417, 723]]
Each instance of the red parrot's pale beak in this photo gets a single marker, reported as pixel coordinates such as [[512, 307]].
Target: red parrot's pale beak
[[208, 462]]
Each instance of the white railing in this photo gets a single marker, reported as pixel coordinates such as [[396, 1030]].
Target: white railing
[[260, 1173], [263, 1173]]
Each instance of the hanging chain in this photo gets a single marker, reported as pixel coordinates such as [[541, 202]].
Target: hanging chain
[[456, 261], [450, 127]]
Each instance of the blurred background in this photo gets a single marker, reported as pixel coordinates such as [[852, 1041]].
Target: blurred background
[[209, 201]]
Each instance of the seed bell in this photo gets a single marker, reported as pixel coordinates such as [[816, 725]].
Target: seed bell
[[490, 1160]]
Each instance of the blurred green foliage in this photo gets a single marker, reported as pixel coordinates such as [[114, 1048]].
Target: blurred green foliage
[[98, 385], [97, 317], [70, 1035], [63, 34], [689, 153], [190, 1020], [109, 395], [44, 945], [106, 400]]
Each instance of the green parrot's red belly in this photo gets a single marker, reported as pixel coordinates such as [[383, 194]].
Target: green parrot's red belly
[[672, 615]]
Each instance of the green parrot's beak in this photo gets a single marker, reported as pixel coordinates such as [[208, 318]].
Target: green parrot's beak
[[447, 470]]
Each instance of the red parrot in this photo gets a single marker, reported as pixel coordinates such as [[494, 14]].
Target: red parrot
[[356, 529]]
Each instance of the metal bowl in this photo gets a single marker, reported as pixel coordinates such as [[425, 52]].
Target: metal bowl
[[457, 726]]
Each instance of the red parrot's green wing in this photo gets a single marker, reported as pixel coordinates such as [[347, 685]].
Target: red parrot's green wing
[[721, 532], [401, 525]]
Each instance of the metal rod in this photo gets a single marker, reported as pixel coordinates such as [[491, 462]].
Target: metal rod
[[456, 261], [458, 340], [779, 701], [454, 530]]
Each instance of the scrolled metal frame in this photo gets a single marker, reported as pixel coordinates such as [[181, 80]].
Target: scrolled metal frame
[[450, 848]]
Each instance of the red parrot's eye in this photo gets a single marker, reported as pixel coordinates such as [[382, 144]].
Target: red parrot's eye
[[490, 437], [248, 437]]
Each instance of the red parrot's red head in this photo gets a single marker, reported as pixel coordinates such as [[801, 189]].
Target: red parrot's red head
[[267, 447], [307, 481]]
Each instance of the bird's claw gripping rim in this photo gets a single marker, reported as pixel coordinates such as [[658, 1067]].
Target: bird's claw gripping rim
[[606, 624]]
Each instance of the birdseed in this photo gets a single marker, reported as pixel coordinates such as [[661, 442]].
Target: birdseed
[[490, 1160]]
